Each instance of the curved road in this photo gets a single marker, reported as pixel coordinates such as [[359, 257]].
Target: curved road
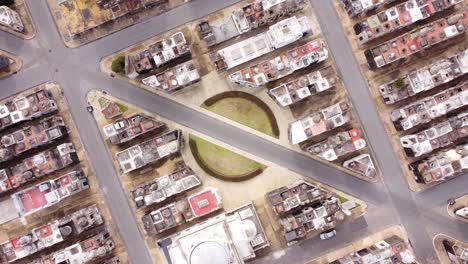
[[77, 71]]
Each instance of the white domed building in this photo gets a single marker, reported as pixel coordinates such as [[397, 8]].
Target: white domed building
[[229, 238]]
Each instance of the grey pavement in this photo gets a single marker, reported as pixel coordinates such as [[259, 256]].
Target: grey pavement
[[77, 71], [400, 196], [411, 210]]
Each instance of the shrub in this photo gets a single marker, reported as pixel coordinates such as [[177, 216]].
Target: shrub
[[160, 45], [399, 83], [118, 65]]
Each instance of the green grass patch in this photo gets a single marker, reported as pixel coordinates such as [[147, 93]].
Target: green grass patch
[[223, 163], [123, 108], [103, 102], [243, 111], [118, 64], [342, 198]]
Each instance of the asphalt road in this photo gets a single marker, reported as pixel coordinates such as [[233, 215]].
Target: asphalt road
[[77, 71]]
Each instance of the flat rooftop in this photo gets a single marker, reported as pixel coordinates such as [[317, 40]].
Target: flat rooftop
[[417, 40], [279, 35], [166, 186], [294, 59], [7, 211], [232, 237], [48, 193], [149, 151]]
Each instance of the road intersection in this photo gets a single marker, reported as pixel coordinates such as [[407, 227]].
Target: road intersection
[[77, 71]]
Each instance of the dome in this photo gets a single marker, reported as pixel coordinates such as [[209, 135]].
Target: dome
[[407, 257], [163, 182], [66, 230], [179, 187], [39, 160], [27, 175], [209, 252], [154, 186], [140, 192], [7, 140], [316, 117], [249, 229], [182, 206], [303, 82]]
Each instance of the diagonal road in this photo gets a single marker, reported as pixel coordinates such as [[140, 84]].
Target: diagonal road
[[410, 213], [77, 70], [400, 196]]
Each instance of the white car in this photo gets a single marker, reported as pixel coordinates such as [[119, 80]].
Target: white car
[[328, 234]]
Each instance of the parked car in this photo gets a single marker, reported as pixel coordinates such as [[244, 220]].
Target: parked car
[[328, 234], [451, 201]]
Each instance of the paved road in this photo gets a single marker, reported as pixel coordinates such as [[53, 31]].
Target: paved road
[[411, 209], [77, 70], [400, 197]]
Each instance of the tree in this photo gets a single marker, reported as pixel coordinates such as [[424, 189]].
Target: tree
[[7, 2], [399, 83], [118, 65], [160, 45]]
